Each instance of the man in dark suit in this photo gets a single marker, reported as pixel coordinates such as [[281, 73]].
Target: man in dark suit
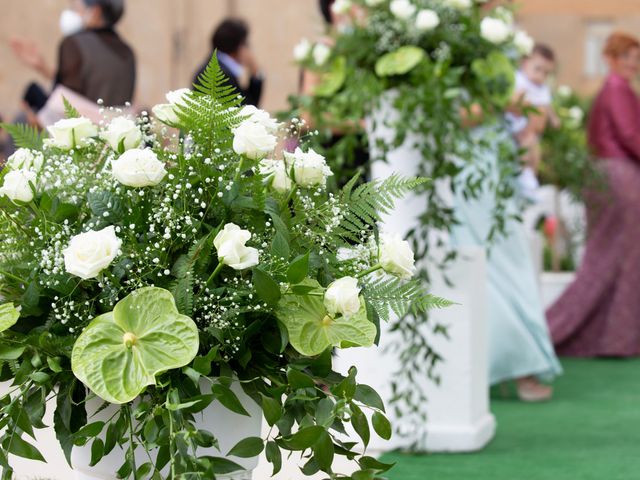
[[230, 40]]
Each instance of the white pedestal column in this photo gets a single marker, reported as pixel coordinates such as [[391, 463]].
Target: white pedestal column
[[459, 419]]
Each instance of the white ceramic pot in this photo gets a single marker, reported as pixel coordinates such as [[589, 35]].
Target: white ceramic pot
[[228, 427]]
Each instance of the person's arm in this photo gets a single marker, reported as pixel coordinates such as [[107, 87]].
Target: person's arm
[[625, 115], [29, 54]]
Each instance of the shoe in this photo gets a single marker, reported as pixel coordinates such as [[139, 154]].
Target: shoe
[[531, 390]]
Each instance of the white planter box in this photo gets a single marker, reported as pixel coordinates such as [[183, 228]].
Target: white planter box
[[552, 285]]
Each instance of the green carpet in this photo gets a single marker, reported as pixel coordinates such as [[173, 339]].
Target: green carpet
[[590, 431]]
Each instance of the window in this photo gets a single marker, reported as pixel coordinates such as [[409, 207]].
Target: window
[[596, 36]]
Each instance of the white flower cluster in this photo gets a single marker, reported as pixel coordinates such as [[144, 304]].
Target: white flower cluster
[[319, 53], [255, 136], [230, 244], [424, 20], [167, 112]]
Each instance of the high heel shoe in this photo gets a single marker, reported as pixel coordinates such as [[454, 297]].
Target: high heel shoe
[[531, 390]]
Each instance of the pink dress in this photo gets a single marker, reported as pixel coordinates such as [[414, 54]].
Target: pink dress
[[599, 314]]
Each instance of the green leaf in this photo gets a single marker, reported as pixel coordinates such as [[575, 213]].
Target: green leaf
[[399, 62], [8, 352], [304, 438], [374, 464], [367, 395], [97, 451], [271, 409], [496, 76], [332, 80], [247, 448], [297, 379], [323, 452], [299, 269], [223, 466], [280, 246], [274, 456], [9, 315], [266, 287], [324, 412], [311, 329], [360, 424], [121, 352], [381, 425], [16, 445], [229, 399]]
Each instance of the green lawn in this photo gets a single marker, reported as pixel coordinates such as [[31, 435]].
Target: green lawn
[[590, 431]]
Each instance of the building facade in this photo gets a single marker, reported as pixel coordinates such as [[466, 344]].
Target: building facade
[[171, 38]]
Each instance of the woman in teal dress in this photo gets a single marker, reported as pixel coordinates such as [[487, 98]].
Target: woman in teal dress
[[520, 347]]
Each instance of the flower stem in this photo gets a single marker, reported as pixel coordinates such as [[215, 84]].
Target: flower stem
[[215, 272], [293, 191], [239, 172], [369, 270]]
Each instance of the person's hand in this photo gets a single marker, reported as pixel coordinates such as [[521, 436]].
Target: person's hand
[[517, 103], [27, 52], [248, 60]]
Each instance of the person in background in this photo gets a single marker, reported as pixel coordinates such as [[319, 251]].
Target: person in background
[[93, 60], [532, 89], [231, 42], [599, 314]]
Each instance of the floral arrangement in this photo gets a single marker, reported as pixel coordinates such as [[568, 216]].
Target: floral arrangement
[[444, 67], [566, 160], [137, 265]]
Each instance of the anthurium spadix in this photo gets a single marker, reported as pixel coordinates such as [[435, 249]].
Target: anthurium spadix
[[121, 352], [312, 329]]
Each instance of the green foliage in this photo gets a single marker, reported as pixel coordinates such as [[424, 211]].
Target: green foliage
[[24, 136], [399, 62], [203, 329], [69, 110]]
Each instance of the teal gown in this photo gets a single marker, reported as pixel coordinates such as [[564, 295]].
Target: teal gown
[[519, 340]]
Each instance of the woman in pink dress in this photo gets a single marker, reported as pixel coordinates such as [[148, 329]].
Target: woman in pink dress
[[599, 314]]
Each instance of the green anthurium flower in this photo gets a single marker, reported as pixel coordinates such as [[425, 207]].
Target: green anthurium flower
[[121, 352], [332, 80], [400, 61], [312, 330], [8, 316]]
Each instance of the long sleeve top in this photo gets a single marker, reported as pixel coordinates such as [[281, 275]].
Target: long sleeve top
[[614, 122]]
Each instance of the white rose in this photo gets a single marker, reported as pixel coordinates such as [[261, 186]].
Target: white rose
[[427, 20], [25, 159], [565, 91], [321, 54], [402, 9], [504, 14], [256, 115], [396, 256], [253, 140], [494, 30], [166, 112], [341, 7], [302, 50], [458, 4], [523, 42], [122, 131], [276, 173], [309, 169], [343, 296], [69, 133], [232, 251], [138, 168], [373, 3], [91, 252], [17, 185]]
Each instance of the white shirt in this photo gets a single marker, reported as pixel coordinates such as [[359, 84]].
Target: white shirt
[[534, 94]]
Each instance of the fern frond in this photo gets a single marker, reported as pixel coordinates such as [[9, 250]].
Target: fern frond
[[390, 295], [211, 110], [182, 291], [24, 136], [69, 110], [367, 203]]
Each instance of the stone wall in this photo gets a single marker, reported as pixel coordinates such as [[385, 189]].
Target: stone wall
[[171, 38]]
